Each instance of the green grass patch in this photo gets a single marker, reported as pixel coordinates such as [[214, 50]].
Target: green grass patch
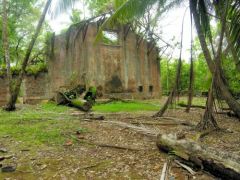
[[133, 106], [43, 124]]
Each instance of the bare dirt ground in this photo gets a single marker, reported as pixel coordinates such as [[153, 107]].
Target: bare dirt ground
[[107, 151]]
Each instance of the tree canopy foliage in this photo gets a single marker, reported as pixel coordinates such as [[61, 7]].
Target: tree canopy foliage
[[23, 16]]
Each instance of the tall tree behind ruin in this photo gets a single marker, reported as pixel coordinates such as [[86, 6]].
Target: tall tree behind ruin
[[61, 5]]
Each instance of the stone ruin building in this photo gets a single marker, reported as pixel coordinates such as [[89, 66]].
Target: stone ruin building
[[126, 68]]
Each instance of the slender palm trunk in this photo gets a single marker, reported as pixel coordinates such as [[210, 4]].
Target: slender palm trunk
[[167, 77], [224, 90], [208, 121], [14, 95], [190, 89], [5, 42], [191, 80]]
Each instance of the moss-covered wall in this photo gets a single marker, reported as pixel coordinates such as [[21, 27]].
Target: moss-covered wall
[[36, 88]]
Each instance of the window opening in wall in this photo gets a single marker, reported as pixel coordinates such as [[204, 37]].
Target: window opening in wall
[[140, 88], [110, 38], [151, 88]]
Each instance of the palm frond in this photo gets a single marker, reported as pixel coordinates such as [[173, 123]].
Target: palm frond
[[127, 10], [234, 17], [204, 18], [168, 5], [62, 6], [202, 8]]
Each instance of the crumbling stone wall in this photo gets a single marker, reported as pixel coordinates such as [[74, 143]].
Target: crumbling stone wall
[[3, 91], [129, 69], [35, 88]]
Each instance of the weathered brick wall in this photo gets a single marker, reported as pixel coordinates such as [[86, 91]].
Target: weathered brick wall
[[3, 91], [35, 89], [128, 69]]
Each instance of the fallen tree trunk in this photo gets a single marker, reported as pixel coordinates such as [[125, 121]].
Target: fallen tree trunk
[[218, 163], [62, 99]]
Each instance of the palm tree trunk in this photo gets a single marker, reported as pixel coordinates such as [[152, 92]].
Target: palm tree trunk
[[208, 121], [224, 90], [190, 89], [14, 95], [5, 42]]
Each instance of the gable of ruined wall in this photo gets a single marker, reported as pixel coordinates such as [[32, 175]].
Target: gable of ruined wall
[[121, 68]]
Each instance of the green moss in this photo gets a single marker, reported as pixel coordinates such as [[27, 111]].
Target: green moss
[[36, 69], [77, 102], [14, 69], [30, 70]]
